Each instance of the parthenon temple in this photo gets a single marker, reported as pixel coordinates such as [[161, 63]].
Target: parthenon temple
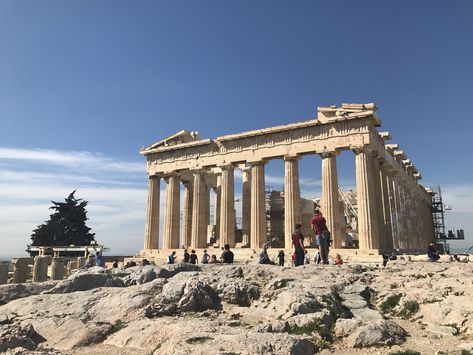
[[393, 209]]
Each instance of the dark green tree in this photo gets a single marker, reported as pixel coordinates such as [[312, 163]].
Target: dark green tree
[[66, 226]]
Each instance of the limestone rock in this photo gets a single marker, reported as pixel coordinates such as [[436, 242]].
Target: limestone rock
[[12, 292], [83, 281], [238, 292], [383, 332], [13, 336], [345, 327]]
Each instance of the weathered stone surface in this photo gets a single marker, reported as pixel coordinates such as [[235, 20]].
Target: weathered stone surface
[[383, 332], [13, 336], [83, 281], [12, 292], [345, 327], [238, 292]]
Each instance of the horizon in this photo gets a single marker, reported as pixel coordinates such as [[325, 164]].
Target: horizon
[[83, 85]]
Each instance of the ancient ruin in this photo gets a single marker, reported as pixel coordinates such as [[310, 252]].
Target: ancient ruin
[[393, 209]]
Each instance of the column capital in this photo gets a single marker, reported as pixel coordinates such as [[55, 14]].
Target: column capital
[[166, 176], [330, 154], [367, 149], [154, 177], [257, 163], [291, 157], [226, 167]]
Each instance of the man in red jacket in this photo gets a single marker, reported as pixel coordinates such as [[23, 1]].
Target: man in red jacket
[[322, 235]]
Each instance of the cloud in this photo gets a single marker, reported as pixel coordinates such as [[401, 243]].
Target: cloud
[[116, 190]]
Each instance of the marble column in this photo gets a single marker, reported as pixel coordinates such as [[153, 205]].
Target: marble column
[[387, 243], [21, 269], [206, 192], [403, 236], [378, 198], [258, 207], [152, 214], [57, 268], [227, 207], [172, 215], [292, 199], [40, 268], [3, 272], [218, 208], [187, 213], [330, 197], [199, 226], [396, 217], [246, 206], [365, 193]]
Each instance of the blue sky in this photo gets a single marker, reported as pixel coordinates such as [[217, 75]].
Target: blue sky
[[85, 84]]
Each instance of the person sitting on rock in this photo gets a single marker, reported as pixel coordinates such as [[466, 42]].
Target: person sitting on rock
[[281, 257], [213, 259], [205, 257], [172, 257], [264, 257], [145, 262], [338, 260], [193, 258], [385, 259], [432, 252], [90, 262], [99, 261], [186, 256], [227, 256], [115, 264], [306, 257]]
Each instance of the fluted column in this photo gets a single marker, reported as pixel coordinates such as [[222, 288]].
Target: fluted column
[[378, 198], [199, 227], [330, 198], [152, 214], [404, 228], [387, 243], [292, 198], [258, 208], [218, 207], [172, 215], [365, 194], [246, 206], [227, 207], [393, 209], [187, 213]]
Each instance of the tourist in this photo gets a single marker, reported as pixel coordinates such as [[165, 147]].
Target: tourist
[[281, 257], [193, 258], [172, 257], [317, 258], [213, 259], [338, 260], [432, 252], [186, 256], [264, 257], [306, 257], [221, 254], [115, 264], [145, 262], [322, 235], [227, 255], [298, 243], [385, 259], [205, 257], [90, 262], [99, 261]]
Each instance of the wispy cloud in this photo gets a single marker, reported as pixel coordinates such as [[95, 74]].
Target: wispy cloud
[[30, 179]]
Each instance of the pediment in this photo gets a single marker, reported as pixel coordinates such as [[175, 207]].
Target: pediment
[[180, 137]]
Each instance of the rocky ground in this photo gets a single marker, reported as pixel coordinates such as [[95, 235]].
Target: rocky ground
[[405, 308]]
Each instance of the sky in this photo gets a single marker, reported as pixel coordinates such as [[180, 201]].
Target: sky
[[85, 84]]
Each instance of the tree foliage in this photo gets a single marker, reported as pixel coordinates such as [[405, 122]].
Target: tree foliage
[[66, 226]]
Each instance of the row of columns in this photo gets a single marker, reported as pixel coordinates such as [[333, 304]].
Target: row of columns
[[22, 269], [389, 206]]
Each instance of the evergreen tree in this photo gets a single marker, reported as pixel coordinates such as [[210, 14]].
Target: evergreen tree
[[66, 226]]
